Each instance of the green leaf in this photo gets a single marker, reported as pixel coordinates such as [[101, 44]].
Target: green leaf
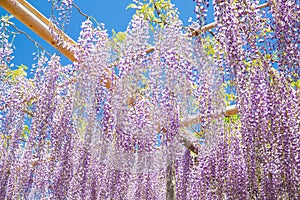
[[118, 37], [82, 126], [25, 132], [20, 72], [296, 84], [132, 5], [226, 120], [6, 18], [113, 32], [199, 135], [230, 97], [144, 8]]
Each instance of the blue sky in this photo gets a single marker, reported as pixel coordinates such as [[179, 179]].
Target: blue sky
[[112, 13]]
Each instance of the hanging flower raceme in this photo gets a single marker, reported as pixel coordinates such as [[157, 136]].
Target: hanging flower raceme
[[61, 11], [6, 49], [262, 95], [285, 16]]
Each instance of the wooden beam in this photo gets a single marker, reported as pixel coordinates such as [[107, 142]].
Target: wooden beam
[[261, 6], [39, 24], [229, 111]]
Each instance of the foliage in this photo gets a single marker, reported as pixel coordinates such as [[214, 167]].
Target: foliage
[[154, 11], [15, 74]]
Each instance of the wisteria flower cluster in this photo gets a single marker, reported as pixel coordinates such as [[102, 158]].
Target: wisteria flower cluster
[[6, 48], [61, 12], [260, 57], [107, 128]]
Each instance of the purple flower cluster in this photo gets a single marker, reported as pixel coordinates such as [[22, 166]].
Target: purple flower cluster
[[93, 130], [201, 10], [61, 12], [250, 47], [285, 22], [6, 49]]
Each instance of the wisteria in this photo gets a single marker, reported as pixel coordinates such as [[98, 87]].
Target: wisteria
[[112, 125], [265, 95], [6, 48], [61, 12]]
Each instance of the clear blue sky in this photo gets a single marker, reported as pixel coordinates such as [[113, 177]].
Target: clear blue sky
[[112, 13]]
